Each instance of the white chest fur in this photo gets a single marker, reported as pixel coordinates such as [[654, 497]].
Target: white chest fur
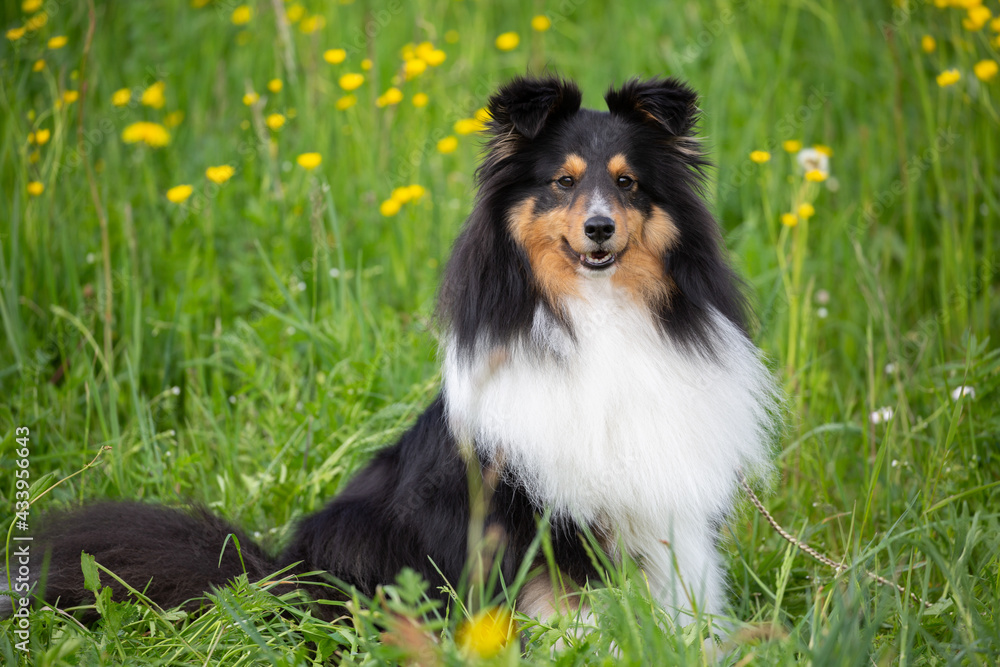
[[620, 425]]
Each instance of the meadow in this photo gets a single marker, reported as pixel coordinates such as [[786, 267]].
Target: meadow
[[222, 228]]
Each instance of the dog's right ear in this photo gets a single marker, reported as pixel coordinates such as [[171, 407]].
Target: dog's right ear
[[524, 105]]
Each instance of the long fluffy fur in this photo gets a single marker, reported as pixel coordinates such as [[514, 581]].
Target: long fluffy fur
[[628, 416]]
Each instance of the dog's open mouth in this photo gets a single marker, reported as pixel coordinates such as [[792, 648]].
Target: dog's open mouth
[[598, 259]]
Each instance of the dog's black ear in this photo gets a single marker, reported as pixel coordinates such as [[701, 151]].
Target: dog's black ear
[[669, 103], [524, 105]]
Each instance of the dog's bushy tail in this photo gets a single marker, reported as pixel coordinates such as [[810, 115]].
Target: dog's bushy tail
[[170, 555]]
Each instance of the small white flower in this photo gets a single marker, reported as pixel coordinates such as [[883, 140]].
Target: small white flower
[[895, 463], [301, 286], [176, 391], [963, 390], [290, 331], [821, 313], [232, 400], [890, 368], [91, 258], [832, 184], [810, 159], [881, 415], [334, 273], [822, 297]]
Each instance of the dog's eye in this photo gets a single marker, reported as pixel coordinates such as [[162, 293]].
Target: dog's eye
[[625, 182], [565, 181]]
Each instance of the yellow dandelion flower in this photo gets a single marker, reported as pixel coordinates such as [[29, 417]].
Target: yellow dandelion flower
[[179, 193], [309, 160], [451, 36], [413, 67], [789, 219], [486, 633], [311, 24], [977, 17], [31, 6], [121, 97], [241, 15], [351, 81], [447, 145], [37, 21], [35, 188], [482, 114], [816, 175], [389, 208], [366, 64], [760, 157], [435, 57], [346, 102], [417, 191], [57, 42], [34, 157], [824, 149], [70, 96], [220, 174], [420, 100], [508, 41], [15, 34], [251, 98], [806, 211], [948, 77], [31, 115], [408, 52], [392, 96], [275, 121], [153, 96], [985, 70], [792, 145], [401, 194], [42, 137], [469, 126], [422, 49], [174, 118], [995, 24], [541, 23], [928, 44], [275, 85], [38, 65], [295, 12], [151, 134], [335, 56]]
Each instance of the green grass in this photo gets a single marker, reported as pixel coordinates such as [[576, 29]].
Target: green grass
[[250, 348]]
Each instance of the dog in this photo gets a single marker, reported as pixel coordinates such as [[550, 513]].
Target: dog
[[597, 373]]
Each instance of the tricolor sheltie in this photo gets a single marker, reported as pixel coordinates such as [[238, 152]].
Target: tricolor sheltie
[[597, 371]]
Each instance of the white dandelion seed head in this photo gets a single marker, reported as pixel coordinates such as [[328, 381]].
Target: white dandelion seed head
[[963, 390], [810, 158]]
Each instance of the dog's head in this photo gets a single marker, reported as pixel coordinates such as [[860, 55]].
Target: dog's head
[[569, 195]]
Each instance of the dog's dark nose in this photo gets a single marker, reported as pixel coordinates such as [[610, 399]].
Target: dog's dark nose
[[599, 228]]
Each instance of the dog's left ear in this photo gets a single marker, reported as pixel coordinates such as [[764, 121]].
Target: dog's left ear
[[525, 105], [669, 103]]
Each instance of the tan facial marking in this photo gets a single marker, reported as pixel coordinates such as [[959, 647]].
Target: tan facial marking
[[618, 166], [574, 166], [539, 599], [542, 236], [640, 269]]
